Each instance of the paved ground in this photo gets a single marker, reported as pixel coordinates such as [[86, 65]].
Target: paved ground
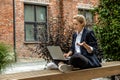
[[23, 67]]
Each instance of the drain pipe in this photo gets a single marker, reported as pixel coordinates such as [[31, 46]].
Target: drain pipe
[[14, 31]]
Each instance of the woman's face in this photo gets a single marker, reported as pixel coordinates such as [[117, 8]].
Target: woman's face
[[77, 25]]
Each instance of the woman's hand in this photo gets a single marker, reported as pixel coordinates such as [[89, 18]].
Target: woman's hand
[[67, 54], [86, 46], [82, 44]]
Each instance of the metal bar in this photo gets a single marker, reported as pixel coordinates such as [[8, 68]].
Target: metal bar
[[14, 30]]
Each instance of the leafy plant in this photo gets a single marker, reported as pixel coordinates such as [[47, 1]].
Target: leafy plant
[[5, 57], [58, 35], [61, 34], [108, 28]]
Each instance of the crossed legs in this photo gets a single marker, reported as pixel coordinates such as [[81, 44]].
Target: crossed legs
[[76, 61]]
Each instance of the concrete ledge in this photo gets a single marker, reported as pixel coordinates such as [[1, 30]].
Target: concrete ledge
[[108, 69]]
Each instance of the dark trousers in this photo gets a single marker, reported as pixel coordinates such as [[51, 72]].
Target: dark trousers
[[77, 61]]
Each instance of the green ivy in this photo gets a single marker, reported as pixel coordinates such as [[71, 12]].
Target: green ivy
[[108, 28]]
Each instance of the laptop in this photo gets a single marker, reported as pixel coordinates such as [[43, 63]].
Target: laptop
[[56, 53]]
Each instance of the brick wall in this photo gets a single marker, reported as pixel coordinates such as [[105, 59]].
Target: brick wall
[[69, 9], [6, 21], [20, 47]]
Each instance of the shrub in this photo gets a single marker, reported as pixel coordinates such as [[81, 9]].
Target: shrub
[[58, 35], [108, 28], [5, 57]]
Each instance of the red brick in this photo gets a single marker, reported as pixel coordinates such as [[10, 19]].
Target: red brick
[[6, 20]]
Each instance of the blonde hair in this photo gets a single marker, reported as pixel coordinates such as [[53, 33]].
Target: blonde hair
[[81, 19]]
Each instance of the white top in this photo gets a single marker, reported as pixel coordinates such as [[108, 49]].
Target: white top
[[78, 40]]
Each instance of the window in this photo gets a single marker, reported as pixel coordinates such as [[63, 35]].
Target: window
[[88, 15], [35, 18]]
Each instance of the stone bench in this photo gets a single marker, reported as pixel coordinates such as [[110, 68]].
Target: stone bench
[[108, 69]]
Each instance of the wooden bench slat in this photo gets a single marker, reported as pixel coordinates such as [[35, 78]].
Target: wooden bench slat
[[108, 69]]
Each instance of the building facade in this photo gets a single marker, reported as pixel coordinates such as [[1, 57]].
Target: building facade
[[22, 22]]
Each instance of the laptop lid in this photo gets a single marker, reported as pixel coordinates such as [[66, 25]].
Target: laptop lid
[[56, 52]]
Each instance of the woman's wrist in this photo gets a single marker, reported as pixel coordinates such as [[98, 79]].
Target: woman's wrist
[[70, 53]]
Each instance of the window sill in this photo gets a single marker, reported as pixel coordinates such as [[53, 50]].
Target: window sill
[[31, 42], [36, 42]]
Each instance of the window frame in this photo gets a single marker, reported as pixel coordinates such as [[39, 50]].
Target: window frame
[[84, 13], [35, 23]]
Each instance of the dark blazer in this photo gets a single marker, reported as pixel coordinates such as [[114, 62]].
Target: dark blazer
[[89, 37]]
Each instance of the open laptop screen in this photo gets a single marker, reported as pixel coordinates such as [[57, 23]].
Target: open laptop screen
[[56, 52]]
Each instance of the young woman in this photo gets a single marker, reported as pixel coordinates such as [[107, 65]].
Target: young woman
[[83, 48]]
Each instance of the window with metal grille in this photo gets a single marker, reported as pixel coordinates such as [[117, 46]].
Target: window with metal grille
[[35, 17], [88, 15]]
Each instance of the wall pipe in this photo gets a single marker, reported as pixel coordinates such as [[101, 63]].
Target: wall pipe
[[14, 31]]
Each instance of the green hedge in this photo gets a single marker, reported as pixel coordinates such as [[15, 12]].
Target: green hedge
[[108, 28]]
